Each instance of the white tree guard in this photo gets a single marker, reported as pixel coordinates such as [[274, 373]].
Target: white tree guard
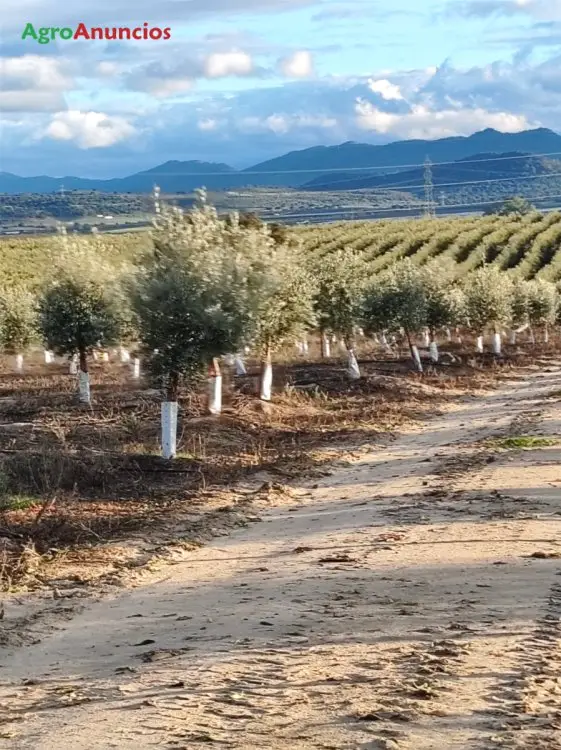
[[49, 357], [305, 347], [353, 369], [169, 429], [479, 345], [417, 359], [95, 356], [361, 331], [546, 335], [266, 382], [512, 339], [136, 368], [532, 336], [300, 347], [73, 365], [433, 351], [229, 360], [124, 355], [19, 362], [426, 339], [342, 345], [105, 356], [215, 394], [246, 349], [384, 340], [326, 347], [240, 367], [497, 343], [448, 335], [84, 387]]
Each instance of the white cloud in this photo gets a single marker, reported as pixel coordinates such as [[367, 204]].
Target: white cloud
[[423, 122], [224, 64], [281, 124], [32, 83], [33, 71], [89, 129], [298, 65], [386, 89]]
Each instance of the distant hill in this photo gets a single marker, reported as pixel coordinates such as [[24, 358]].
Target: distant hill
[[299, 168], [358, 156], [172, 177]]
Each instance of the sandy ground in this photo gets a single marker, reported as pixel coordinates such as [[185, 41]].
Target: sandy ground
[[412, 599]]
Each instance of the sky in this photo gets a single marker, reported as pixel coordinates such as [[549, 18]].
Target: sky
[[241, 81]]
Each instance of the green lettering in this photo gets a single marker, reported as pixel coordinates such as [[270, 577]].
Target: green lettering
[[54, 30], [44, 35], [66, 33], [29, 31]]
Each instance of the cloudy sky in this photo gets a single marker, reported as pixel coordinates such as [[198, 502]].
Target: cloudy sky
[[240, 81]]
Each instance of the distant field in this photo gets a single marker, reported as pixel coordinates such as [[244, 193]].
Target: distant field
[[528, 246]]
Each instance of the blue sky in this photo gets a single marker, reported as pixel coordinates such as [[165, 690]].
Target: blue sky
[[244, 80]]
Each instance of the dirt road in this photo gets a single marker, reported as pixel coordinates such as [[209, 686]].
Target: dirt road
[[410, 600]]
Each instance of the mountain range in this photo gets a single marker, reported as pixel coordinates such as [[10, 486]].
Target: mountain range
[[325, 167]]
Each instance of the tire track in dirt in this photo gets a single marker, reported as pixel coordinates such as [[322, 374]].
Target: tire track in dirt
[[374, 614]]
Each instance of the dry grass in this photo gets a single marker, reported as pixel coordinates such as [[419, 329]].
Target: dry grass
[[74, 478]]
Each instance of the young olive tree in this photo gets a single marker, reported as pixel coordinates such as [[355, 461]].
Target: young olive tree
[[18, 322], [441, 303], [282, 292], [398, 301], [75, 318], [341, 281], [520, 308], [543, 303], [192, 301], [488, 294], [80, 309]]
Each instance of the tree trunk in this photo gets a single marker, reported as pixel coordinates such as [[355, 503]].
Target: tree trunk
[[414, 353], [266, 385]]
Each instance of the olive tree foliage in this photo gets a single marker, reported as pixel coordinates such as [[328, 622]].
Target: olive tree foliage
[[341, 281], [76, 318], [18, 319], [83, 304], [398, 301], [192, 298], [443, 302], [488, 295], [282, 298], [543, 304]]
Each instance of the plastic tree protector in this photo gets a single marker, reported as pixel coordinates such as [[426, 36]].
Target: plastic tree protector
[[169, 429], [215, 388], [353, 369]]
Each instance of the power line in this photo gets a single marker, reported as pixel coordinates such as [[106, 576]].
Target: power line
[[389, 209], [405, 188], [387, 167]]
